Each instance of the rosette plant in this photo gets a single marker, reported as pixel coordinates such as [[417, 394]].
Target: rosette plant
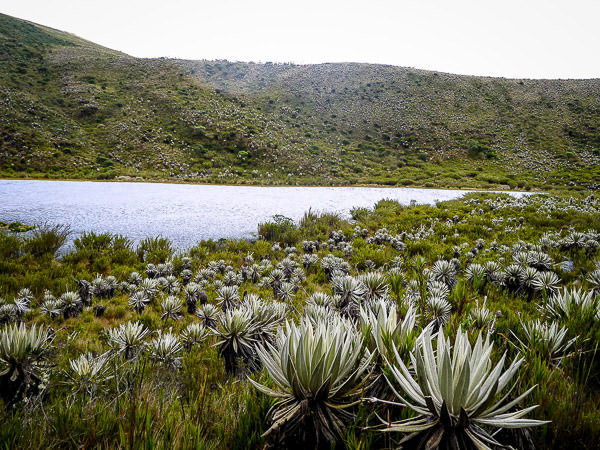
[[208, 314], [454, 392], [71, 304], [171, 308], [88, 373], [348, 292], [445, 272], [375, 285], [439, 310], [237, 333], [228, 297], [319, 372], [165, 349], [22, 359], [194, 334], [480, 316], [192, 294], [568, 303], [138, 301], [382, 327], [549, 340], [128, 339]]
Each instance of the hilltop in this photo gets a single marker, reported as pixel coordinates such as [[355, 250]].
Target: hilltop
[[73, 109]]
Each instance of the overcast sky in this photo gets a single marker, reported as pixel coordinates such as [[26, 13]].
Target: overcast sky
[[510, 38]]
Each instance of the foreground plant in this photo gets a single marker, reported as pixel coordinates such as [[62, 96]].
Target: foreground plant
[[22, 355], [384, 330], [454, 392], [318, 371], [384, 327]]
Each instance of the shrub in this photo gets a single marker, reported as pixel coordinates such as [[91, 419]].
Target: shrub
[[156, 250], [47, 239], [10, 246], [280, 229]]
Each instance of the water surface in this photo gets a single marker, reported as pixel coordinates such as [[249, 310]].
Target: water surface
[[184, 213]]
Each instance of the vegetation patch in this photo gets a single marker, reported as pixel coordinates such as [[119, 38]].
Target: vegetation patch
[[470, 323], [72, 109]]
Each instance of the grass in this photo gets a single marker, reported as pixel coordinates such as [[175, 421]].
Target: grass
[[200, 406], [97, 114], [75, 110]]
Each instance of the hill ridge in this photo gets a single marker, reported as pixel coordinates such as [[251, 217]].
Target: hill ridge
[[75, 109]]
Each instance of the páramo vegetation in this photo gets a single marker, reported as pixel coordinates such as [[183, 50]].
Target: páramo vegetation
[[469, 324]]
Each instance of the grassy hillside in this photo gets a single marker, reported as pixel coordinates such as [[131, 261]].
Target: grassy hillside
[[73, 109]]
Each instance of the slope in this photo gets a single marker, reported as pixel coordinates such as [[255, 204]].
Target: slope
[[72, 109]]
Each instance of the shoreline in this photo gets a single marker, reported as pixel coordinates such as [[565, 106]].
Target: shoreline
[[506, 189]]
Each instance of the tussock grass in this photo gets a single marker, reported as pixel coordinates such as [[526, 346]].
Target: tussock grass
[[196, 395]]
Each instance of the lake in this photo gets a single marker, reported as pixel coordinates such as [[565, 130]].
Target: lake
[[185, 213]]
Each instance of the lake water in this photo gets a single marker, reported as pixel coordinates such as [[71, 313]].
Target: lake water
[[184, 213]]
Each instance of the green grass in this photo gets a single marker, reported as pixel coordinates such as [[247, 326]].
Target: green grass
[[76, 110], [97, 114], [200, 406]]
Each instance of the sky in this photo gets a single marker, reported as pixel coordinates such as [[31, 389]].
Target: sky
[[502, 38]]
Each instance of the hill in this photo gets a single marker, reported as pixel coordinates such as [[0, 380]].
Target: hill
[[73, 109]]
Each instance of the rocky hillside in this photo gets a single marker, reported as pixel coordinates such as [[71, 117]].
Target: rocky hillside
[[73, 109]]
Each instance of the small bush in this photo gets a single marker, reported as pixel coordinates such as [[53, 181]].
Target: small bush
[[155, 250], [10, 246], [280, 229], [47, 239]]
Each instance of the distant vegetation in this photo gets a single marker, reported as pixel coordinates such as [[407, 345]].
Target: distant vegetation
[[72, 109], [16, 227]]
